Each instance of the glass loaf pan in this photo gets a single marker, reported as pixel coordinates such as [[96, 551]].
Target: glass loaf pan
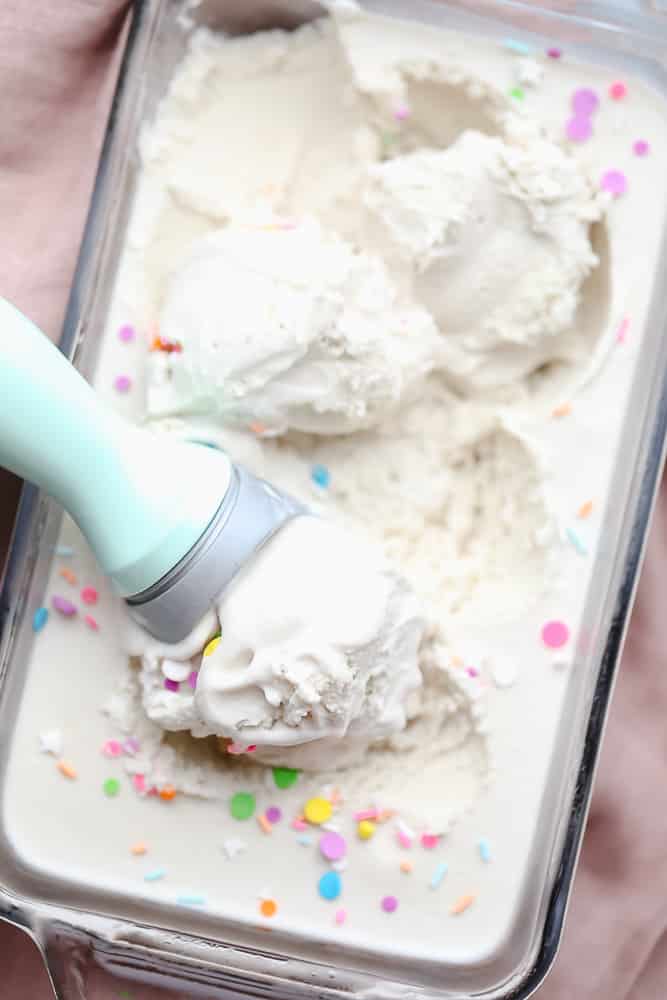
[[79, 931]]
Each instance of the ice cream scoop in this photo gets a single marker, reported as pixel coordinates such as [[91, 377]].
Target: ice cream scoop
[[170, 522]]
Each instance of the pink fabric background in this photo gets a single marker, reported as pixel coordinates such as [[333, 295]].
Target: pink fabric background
[[58, 60]]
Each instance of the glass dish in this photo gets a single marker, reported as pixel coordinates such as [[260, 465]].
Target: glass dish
[[79, 929]]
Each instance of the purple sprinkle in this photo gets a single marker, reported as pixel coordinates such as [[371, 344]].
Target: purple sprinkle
[[615, 182], [579, 128], [131, 746], [333, 847], [122, 383], [554, 53], [192, 679], [274, 814], [389, 904], [471, 672], [641, 147], [171, 685], [64, 606], [126, 333], [585, 102]]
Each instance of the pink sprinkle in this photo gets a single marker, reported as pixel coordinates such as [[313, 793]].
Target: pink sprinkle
[[389, 904], [251, 748], [139, 782], [131, 746], [579, 128], [585, 101], [299, 824], [555, 634], [152, 790], [89, 595], [615, 182], [641, 147], [63, 606], [365, 814], [554, 53], [429, 841], [91, 623], [171, 685], [126, 333], [617, 91], [622, 330], [235, 749], [112, 748], [192, 679], [400, 114], [403, 839], [122, 383], [341, 916], [332, 846]]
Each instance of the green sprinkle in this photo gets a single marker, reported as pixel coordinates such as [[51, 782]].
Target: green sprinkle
[[111, 787], [242, 805], [285, 777], [517, 93]]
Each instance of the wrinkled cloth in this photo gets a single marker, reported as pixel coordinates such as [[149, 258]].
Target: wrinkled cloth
[[57, 66]]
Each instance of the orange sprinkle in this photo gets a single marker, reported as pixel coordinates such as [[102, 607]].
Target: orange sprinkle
[[139, 848], [585, 510], [268, 907], [264, 823], [335, 797], [385, 814], [457, 661], [564, 410], [66, 769], [168, 793], [462, 904], [406, 867], [256, 427], [68, 575]]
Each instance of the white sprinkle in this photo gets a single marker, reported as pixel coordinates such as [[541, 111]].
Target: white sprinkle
[[51, 741], [438, 875], [234, 846], [504, 673], [529, 73], [175, 671], [404, 828], [340, 866]]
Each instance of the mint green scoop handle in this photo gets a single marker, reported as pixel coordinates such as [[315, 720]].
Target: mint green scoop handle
[[141, 499]]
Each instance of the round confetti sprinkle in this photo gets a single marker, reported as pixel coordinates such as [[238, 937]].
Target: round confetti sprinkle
[[111, 787], [122, 383], [320, 476], [554, 53], [268, 907], [389, 904], [330, 885], [317, 810], [615, 182], [274, 814], [168, 793], [285, 777], [641, 147], [39, 619], [89, 595], [126, 333], [242, 805], [211, 646], [171, 685], [341, 916], [91, 623], [618, 91], [193, 677], [555, 634], [579, 128], [429, 841], [585, 101], [365, 829], [332, 846], [63, 606]]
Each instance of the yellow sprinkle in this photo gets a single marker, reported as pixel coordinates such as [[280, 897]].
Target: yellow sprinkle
[[211, 646], [585, 510], [139, 848], [563, 410], [317, 810], [365, 829], [67, 769], [264, 823], [461, 905], [406, 867]]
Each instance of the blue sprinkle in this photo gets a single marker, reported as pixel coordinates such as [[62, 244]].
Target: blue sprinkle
[[514, 45], [330, 885], [484, 851], [320, 476], [155, 875], [576, 542], [64, 551], [438, 875], [191, 901], [40, 619], [305, 838]]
